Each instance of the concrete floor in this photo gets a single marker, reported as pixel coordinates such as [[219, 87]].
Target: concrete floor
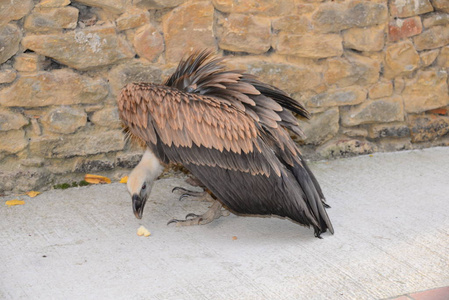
[[390, 213]]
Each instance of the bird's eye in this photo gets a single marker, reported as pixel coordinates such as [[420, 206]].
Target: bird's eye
[[144, 186]]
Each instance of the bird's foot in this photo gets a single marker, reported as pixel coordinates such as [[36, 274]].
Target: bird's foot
[[200, 196], [214, 212]]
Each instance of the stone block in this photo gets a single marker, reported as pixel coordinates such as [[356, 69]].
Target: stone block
[[244, 33], [14, 10], [30, 62], [187, 28], [260, 7], [334, 17], [434, 37], [10, 120], [399, 29], [52, 3], [400, 59], [12, 141], [435, 19], [381, 89], [374, 111], [7, 75], [90, 165], [294, 24], [352, 70], [59, 87], [365, 38], [427, 90], [148, 42], [443, 57], [51, 19], [309, 45], [403, 9], [10, 36], [107, 117], [133, 17], [441, 5], [292, 78], [321, 127], [64, 119], [389, 130], [428, 57], [157, 4], [428, 128], [338, 97], [100, 44], [116, 6]]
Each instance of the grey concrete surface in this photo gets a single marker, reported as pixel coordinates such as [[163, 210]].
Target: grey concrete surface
[[390, 213]]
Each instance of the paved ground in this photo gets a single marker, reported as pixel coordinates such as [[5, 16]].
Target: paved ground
[[390, 213]]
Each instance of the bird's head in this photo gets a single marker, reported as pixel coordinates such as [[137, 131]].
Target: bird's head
[[140, 181]]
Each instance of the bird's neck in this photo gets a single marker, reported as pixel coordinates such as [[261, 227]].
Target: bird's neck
[[150, 165]]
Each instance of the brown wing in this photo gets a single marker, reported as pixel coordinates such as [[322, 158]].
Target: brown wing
[[157, 113]]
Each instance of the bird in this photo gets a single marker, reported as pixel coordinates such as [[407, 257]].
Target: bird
[[233, 133]]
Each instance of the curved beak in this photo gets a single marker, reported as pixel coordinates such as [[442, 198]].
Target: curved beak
[[138, 205]]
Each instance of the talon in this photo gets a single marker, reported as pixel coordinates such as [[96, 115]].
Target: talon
[[183, 196], [178, 188], [173, 221], [192, 215]]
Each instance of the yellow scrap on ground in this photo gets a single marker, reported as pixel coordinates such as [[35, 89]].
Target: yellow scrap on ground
[[124, 179], [14, 202], [96, 179], [143, 231], [32, 194]]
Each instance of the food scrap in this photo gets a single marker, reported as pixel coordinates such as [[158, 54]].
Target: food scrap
[[95, 179], [234, 238], [143, 231], [124, 179], [14, 202]]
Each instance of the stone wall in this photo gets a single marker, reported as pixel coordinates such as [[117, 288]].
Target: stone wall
[[373, 73]]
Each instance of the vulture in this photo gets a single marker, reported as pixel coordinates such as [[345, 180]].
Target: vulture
[[232, 132]]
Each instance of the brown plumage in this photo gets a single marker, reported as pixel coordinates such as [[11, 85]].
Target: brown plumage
[[230, 131]]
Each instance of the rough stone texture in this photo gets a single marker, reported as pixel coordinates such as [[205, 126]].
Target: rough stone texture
[[345, 148], [244, 33], [403, 28], [427, 90], [443, 57], [309, 45], [435, 19], [296, 24], [10, 120], [428, 57], [261, 7], [365, 38], [30, 62], [403, 9], [112, 5], [53, 3], [87, 166], [10, 36], [354, 70], [107, 117], [338, 97], [59, 87], [157, 4], [7, 75], [83, 142], [51, 19], [321, 127], [64, 119], [389, 130], [291, 78], [188, 28], [135, 71], [133, 18], [428, 128], [442, 5], [400, 59], [14, 10], [100, 44], [432, 38], [334, 17], [13, 141], [148, 42], [374, 111], [381, 89]]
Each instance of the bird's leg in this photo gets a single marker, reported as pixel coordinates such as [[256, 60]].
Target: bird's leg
[[201, 196], [214, 212]]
